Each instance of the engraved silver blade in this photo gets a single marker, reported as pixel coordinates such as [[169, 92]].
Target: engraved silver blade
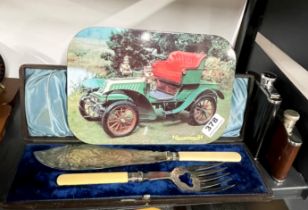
[[91, 157]]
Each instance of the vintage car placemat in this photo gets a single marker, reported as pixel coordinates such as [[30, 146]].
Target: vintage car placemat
[[129, 86]]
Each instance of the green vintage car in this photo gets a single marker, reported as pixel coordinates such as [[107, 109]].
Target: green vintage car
[[172, 86]]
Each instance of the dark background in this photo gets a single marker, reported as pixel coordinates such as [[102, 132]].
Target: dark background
[[285, 23]]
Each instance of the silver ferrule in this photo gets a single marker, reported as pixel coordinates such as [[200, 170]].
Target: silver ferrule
[[294, 143], [172, 156], [290, 117], [278, 181], [267, 80], [295, 139], [135, 177]]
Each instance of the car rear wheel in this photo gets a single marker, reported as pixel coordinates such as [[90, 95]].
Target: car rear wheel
[[89, 110], [120, 119], [202, 110]]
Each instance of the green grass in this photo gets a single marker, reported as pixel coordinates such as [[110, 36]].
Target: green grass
[[160, 131]]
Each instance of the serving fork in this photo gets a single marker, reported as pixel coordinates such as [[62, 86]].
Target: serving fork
[[204, 178]]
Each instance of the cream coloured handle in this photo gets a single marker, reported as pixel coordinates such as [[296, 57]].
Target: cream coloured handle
[[210, 156], [92, 178]]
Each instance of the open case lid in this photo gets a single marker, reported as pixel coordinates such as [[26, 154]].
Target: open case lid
[[51, 79]]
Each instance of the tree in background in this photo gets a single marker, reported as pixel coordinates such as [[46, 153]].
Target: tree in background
[[129, 43], [165, 43], [219, 48], [220, 63], [144, 47]]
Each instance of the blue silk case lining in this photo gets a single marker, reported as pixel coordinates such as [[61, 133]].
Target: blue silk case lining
[[45, 103]]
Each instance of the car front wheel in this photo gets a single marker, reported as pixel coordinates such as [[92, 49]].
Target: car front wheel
[[202, 110], [120, 118]]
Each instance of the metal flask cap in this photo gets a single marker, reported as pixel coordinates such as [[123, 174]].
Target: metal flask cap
[[267, 80], [290, 118]]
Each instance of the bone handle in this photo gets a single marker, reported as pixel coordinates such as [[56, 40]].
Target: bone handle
[[210, 156], [92, 178]]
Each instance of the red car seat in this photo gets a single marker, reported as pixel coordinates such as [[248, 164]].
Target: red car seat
[[172, 69]]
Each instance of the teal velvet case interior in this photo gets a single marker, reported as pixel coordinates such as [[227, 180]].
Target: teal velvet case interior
[[45, 109]]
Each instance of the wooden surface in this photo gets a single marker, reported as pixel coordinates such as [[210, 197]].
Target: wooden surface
[[5, 111], [11, 88], [6, 99]]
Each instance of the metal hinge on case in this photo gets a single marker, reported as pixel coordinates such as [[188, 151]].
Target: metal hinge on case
[[147, 199]]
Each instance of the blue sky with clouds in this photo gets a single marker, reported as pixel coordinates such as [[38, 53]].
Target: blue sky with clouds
[[102, 33]]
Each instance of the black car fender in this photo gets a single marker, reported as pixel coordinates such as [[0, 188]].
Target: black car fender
[[144, 107], [214, 93]]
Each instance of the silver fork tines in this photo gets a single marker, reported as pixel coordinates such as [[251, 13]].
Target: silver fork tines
[[205, 167], [209, 172], [206, 185], [213, 177], [218, 189]]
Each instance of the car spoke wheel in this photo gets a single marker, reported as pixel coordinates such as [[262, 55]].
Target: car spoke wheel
[[202, 110], [120, 119], [89, 110]]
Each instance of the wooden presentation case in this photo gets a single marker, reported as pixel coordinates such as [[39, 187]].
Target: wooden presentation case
[[129, 201]]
